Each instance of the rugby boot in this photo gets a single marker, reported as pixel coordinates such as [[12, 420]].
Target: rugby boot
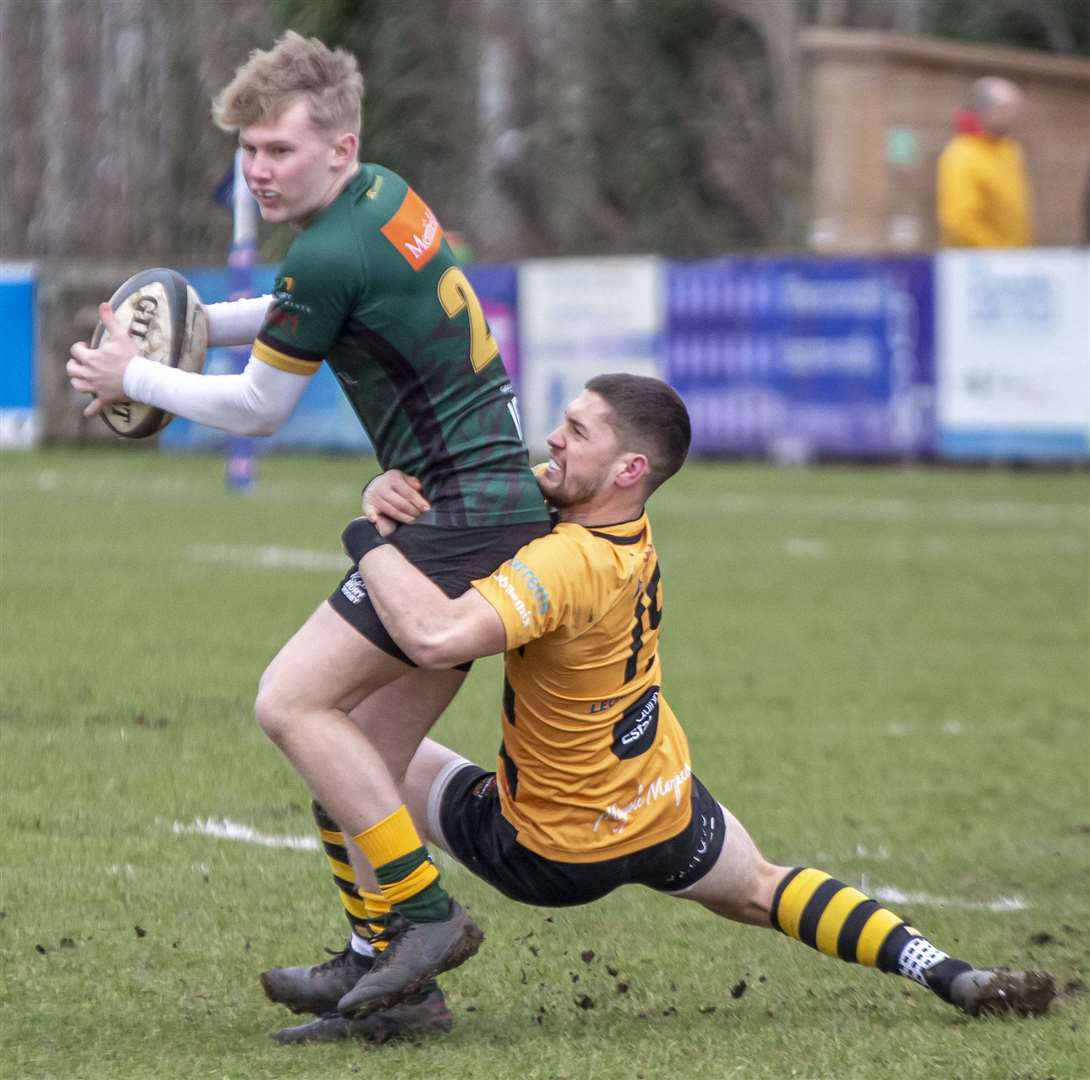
[[999, 992], [415, 1017], [416, 953], [317, 988]]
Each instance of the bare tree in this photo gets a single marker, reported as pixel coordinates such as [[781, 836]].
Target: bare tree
[[499, 217], [106, 146]]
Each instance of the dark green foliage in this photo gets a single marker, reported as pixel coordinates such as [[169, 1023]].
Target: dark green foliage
[[1059, 26], [406, 75], [1049, 25], [669, 27], [652, 80]]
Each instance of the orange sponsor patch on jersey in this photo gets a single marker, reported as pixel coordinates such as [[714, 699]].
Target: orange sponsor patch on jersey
[[414, 230]]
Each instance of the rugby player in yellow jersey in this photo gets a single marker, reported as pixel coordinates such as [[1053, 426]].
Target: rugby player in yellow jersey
[[594, 787]]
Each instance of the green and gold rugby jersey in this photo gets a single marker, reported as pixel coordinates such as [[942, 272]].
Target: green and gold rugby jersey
[[593, 763], [372, 287]]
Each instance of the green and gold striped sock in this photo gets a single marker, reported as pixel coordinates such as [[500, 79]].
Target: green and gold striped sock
[[343, 875], [377, 907], [406, 874]]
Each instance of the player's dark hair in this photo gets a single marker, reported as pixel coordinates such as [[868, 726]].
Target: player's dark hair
[[649, 418]]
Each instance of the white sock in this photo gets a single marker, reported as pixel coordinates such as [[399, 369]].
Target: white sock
[[361, 946], [918, 956]]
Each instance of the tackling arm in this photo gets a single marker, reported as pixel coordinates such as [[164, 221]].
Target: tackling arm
[[434, 630]]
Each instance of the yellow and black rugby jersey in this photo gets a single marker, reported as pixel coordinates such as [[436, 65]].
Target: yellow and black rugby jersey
[[593, 763], [372, 286]]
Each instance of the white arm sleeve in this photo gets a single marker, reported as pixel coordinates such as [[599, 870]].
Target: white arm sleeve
[[236, 322], [256, 402]]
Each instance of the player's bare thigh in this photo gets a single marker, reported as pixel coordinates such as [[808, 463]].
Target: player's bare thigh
[[741, 883], [396, 717], [326, 664]]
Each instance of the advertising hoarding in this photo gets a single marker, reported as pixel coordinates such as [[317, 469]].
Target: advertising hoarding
[[1014, 341], [803, 357], [19, 424], [579, 318]]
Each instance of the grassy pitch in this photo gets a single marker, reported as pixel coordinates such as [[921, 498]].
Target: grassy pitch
[[882, 672]]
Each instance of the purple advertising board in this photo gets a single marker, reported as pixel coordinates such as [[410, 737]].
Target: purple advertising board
[[798, 358], [497, 288]]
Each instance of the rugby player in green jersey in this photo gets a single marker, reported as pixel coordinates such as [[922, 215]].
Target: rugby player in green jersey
[[371, 286]]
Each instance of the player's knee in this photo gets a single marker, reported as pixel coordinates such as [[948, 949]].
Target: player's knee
[[272, 711]]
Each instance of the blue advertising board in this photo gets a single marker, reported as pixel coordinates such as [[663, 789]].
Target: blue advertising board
[[18, 408], [802, 357], [497, 288]]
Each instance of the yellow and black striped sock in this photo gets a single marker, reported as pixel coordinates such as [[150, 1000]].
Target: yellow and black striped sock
[[408, 878], [343, 875], [816, 909]]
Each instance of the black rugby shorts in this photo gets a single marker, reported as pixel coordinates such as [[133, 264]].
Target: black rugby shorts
[[484, 841], [452, 558]]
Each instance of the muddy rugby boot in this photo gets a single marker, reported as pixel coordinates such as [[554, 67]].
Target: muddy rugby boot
[[416, 953], [417, 1016], [317, 988], [1001, 992]]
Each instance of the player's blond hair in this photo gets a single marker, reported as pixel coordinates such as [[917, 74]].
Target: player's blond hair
[[295, 68]]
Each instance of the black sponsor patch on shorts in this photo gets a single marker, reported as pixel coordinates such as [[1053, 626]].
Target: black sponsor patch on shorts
[[634, 733]]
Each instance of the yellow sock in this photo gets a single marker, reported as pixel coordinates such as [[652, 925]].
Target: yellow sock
[[408, 878], [816, 909]]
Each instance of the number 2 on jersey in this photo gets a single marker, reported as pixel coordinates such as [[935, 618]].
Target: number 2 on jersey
[[455, 294]]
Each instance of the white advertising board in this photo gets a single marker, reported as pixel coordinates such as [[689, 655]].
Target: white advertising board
[[579, 318], [1013, 353]]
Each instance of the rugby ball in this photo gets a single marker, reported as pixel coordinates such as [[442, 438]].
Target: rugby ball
[[162, 313]]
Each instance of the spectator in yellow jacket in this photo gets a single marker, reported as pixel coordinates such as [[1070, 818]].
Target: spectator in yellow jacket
[[983, 190]]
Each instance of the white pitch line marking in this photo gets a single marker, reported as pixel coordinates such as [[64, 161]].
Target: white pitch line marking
[[881, 853], [96, 485], [996, 511], [222, 829], [891, 895], [268, 557], [862, 508], [799, 547]]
